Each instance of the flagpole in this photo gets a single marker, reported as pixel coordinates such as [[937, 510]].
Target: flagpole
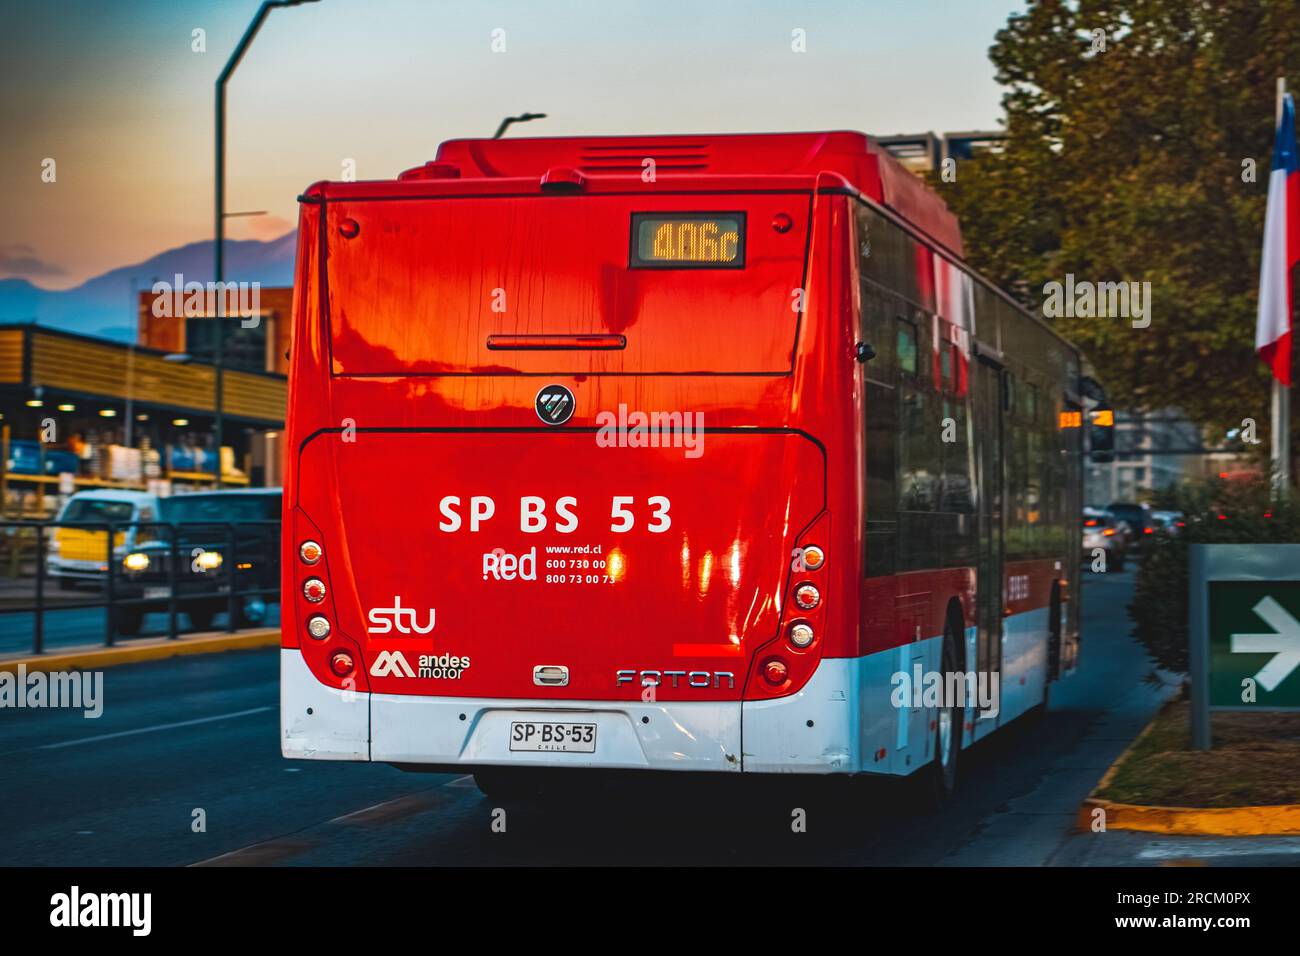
[[1281, 431]]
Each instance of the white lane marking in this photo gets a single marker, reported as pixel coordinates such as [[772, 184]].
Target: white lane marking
[[287, 845], [385, 804], [149, 730], [1209, 847]]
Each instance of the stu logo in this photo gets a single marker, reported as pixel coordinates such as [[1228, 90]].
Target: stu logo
[[397, 618]]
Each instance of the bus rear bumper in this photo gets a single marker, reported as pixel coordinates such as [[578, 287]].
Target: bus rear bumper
[[812, 731]]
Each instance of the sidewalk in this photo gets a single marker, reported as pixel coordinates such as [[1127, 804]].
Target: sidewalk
[[135, 650], [1244, 787]]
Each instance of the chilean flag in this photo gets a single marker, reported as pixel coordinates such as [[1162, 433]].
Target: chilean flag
[[1281, 250]]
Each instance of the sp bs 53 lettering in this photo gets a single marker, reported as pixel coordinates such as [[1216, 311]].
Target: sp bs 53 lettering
[[564, 515]]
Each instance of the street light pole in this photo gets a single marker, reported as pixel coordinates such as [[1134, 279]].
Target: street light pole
[[220, 217]]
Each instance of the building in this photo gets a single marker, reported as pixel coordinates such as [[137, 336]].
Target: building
[[81, 412], [260, 347], [1153, 451], [923, 152]]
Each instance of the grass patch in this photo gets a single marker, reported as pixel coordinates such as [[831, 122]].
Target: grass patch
[[1255, 762]]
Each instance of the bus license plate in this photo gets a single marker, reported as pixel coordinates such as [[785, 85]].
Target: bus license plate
[[540, 735]]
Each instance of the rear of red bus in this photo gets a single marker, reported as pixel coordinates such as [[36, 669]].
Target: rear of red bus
[[572, 473]]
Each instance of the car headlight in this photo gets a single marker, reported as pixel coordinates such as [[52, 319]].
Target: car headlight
[[136, 561], [207, 561]]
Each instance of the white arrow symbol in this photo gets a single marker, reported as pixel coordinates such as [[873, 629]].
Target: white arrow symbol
[[1284, 644]]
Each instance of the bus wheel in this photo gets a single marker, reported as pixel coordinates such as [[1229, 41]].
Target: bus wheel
[[942, 772]]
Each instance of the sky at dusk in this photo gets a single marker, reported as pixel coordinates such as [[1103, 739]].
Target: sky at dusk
[[112, 91]]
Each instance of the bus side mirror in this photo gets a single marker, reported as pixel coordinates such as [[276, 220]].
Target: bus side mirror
[[864, 352], [1101, 434]]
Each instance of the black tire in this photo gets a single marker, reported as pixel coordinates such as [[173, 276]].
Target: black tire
[[939, 778], [128, 621], [201, 616], [508, 784], [244, 619], [1035, 713], [539, 786]]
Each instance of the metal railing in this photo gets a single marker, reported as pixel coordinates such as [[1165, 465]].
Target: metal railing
[[176, 578]]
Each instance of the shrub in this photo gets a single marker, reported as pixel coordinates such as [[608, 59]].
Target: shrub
[[1215, 512]]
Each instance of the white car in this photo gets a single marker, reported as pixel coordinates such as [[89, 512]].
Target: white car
[[1101, 530]]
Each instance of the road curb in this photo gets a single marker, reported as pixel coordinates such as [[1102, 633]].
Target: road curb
[[96, 658], [1281, 820]]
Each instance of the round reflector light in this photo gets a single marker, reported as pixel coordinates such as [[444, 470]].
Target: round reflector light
[[313, 590], [813, 557], [807, 596], [310, 552], [775, 671], [801, 635], [318, 627], [341, 664]]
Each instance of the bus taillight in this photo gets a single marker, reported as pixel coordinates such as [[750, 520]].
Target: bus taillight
[[807, 596], [801, 634], [341, 664], [313, 589], [310, 552], [318, 627], [775, 672], [813, 557]]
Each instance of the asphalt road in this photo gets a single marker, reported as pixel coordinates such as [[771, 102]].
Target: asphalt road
[[201, 734]]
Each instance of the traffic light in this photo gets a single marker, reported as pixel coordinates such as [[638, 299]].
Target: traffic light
[[1101, 433]]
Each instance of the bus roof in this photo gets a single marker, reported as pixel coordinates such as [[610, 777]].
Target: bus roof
[[855, 159]]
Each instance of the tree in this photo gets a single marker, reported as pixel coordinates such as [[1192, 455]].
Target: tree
[[1126, 164]]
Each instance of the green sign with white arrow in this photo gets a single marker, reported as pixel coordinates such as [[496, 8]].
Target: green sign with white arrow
[[1254, 644]]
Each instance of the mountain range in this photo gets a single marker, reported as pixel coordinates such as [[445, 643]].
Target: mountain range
[[105, 306]]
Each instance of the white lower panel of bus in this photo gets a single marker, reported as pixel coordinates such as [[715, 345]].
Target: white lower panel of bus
[[658, 736], [844, 720]]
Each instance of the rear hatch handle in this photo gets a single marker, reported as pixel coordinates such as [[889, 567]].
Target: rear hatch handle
[[556, 343]]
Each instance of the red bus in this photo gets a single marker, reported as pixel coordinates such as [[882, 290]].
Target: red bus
[[684, 453]]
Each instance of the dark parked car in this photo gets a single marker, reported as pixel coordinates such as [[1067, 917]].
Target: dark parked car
[[219, 537], [1137, 517]]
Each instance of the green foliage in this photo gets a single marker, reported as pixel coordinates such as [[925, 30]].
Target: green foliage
[[1215, 512], [1127, 165]]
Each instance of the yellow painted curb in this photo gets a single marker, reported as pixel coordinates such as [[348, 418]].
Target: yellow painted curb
[[96, 658], [1283, 820]]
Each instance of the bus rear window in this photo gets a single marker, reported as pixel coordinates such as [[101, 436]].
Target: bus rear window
[[419, 287]]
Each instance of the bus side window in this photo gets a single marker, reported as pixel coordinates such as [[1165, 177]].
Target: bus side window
[[906, 348], [920, 443], [881, 426]]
